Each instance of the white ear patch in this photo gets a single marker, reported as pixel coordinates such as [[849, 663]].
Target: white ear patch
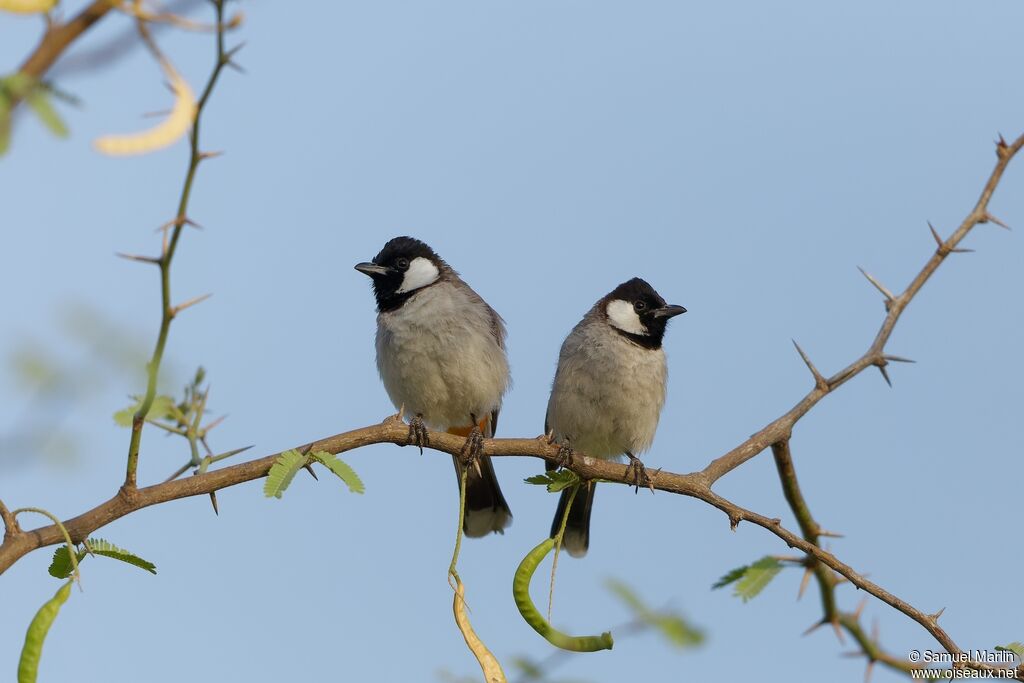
[[621, 315], [421, 273]]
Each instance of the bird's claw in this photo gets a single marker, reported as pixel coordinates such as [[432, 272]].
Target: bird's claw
[[639, 474], [472, 449], [418, 435], [565, 455]]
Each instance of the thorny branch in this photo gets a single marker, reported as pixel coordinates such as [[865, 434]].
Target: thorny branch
[[827, 581], [781, 428], [170, 245]]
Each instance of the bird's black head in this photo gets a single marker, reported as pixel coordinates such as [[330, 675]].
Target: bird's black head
[[636, 311], [404, 266]]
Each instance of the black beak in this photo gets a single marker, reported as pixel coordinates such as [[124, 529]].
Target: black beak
[[372, 269], [668, 311]]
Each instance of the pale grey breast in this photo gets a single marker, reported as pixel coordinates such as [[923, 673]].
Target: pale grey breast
[[442, 355], [608, 391]]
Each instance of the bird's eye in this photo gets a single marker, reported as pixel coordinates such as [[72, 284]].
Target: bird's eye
[[639, 306], [402, 263]]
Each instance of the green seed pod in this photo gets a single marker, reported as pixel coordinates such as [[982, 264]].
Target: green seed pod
[[28, 666], [533, 617]]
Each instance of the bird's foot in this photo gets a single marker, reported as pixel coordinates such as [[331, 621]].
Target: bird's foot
[[565, 454], [639, 473], [473, 449], [418, 435]]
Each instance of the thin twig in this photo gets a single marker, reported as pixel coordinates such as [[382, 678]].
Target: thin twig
[[171, 243], [11, 527]]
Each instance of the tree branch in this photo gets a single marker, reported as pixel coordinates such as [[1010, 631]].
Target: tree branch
[[11, 527], [780, 429], [57, 38], [394, 430]]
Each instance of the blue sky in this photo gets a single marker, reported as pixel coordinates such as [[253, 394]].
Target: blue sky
[[743, 157]]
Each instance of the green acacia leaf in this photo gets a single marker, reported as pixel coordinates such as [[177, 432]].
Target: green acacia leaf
[[105, 548], [1015, 647], [282, 472], [555, 481], [757, 576], [39, 100], [163, 407], [732, 576], [672, 626], [341, 469], [60, 566]]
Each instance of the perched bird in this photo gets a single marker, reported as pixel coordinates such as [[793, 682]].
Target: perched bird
[[441, 356], [608, 392]]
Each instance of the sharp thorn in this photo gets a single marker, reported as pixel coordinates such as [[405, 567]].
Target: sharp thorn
[[875, 631], [814, 627], [136, 257], [838, 631], [830, 534], [870, 668], [819, 380], [849, 654], [189, 221], [213, 424], [885, 374], [806, 579], [989, 218], [213, 500], [191, 302], [899, 359], [210, 155], [935, 617], [234, 51], [860, 609], [961, 250], [233, 65], [309, 468], [935, 234], [878, 285]]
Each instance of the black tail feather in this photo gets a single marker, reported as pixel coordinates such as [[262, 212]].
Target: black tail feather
[[577, 528], [486, 509]]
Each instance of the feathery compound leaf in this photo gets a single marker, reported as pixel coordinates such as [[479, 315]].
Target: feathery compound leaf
[[163, 407], [341, 469], [282, 472], [39, 100], [105, 548], [670, 624], [555, 481], [61, 567], [757, 576], [1015, 647], [732, 576]]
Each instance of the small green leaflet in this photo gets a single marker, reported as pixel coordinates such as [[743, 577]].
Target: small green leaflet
[[61, 568], [750, 579], [39, 100], [163, 408], [732, 576], [555, 481], [341, 469], [670, 624], [282, 472], [1015, 647]]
